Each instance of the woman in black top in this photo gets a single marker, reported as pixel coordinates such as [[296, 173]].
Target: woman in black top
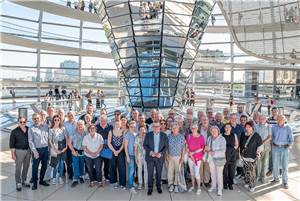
[[231, 156], [250, 147]]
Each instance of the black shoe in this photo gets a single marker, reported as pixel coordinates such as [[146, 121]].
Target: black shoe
[[81, 180], [149, 192], [18, 188], [70, 176], [34, 187], [159, 191], [164, 181], [225, 186], [31, 181], [207, 185], [230, 187], [43, 183], [26, 185], [74, 184]]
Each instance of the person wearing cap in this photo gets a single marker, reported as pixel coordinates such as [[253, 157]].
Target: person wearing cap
[[129, 140], [20, 152], [216, 148], [175, 156], [156, 146], [250, 148], [282, 141], [195, 143]]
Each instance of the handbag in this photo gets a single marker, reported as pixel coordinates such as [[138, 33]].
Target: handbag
[[106, 153], [53, 161], [181, 179]]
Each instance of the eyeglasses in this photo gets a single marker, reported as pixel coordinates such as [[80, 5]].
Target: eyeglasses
[[35, 118], [22, 122]]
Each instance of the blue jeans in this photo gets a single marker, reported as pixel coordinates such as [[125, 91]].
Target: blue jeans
[[59, 168], [280, 156], [43, 159], [131, 169], [78, 163]]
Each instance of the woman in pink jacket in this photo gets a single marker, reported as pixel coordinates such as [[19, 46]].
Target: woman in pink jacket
[[195, 146]]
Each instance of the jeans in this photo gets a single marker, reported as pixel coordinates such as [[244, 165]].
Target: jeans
[[263, 164], [91, 163], [43, 159], [280, 156], [78, 163], [117, 163], [59, 168], [131, 169], [105, 161]]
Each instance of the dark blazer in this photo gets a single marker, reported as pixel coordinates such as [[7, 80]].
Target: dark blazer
[[149, 145]]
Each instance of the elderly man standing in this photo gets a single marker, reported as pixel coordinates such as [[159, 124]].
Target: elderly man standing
[[38, 136], [282, 141], [155, 145], [20, 152], [264, 130], [70, 126]]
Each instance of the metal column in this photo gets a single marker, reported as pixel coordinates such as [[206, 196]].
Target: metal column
[[38, 60]]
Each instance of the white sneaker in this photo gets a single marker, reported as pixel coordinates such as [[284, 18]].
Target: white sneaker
[[211, 189], [176, 190], [171, 188], [198, 191], [86, 177], [53, 181], [140, 187], [191, 189], [246, 185], [60, 180], [132, 190], [252, 189], [219, 193]]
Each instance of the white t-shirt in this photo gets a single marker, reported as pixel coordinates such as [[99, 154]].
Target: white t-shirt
[[92, 143]]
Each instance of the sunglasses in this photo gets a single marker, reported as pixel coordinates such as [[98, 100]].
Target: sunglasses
[[22, 122], [56, 120]]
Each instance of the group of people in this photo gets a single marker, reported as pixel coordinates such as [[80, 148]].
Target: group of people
[[189, 97], [80, 5], [291, 14], [211, 151], [150, 10]]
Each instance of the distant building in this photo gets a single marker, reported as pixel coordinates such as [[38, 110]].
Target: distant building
[[68, 71]]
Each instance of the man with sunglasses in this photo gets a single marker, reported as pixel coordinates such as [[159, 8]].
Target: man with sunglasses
[[20, 152], [38, 135], [117, 117]]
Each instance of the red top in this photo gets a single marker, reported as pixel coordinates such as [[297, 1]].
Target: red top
[[195, 143]]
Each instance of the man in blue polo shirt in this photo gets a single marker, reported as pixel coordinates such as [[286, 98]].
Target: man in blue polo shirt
[[282, 141]]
